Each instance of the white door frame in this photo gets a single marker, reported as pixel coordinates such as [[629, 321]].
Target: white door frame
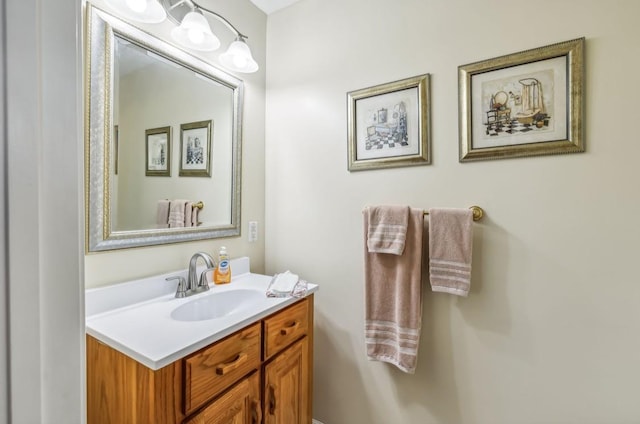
[[44, 214]]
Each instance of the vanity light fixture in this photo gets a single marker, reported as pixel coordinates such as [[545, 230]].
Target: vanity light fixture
[[193, 30], [147, 11], [195, 33]]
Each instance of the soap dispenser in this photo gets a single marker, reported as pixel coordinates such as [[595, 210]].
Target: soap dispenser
[[222, 273]]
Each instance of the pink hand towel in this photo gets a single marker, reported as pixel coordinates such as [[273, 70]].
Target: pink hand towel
[[393, 299], [450, 249], [162, 213], [194, 216], [387, 229], [188, 211], [176, 213]]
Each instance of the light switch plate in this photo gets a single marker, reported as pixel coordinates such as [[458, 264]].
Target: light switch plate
[[253, 231]]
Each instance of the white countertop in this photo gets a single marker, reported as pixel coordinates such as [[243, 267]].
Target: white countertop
[[135, 317]]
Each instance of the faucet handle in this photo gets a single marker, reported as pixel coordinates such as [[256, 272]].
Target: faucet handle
[[203, 285], [182, 286]]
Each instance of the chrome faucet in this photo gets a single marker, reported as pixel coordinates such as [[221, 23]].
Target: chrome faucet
[[182, 286], [195, 285]]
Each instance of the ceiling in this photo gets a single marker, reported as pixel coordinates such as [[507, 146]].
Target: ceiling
[[270, 6]]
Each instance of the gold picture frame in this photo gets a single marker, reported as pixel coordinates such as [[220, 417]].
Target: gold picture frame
[[389, 125], [195, 149], [523, 104], [158, 152]]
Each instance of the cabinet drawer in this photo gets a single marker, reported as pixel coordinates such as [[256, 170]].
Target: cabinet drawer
[[211, 370], [285, 327]]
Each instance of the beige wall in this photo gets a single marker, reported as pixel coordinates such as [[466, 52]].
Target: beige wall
[[549, 333], [121, 265]]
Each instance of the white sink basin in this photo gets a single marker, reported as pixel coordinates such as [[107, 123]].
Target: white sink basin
[[143, 319], [218, 305]]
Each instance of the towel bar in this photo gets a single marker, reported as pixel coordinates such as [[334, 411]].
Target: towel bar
[[478, 213], [200, 205]]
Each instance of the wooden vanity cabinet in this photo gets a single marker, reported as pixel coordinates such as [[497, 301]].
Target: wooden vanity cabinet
[[260, 374], [122, 390], [287, 368]]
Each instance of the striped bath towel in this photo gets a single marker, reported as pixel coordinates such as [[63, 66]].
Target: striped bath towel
[[387, 229], [450, 242], [393, 299]]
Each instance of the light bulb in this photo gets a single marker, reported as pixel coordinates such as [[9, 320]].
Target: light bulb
[[138, 6], [196, 36], [240, 61]]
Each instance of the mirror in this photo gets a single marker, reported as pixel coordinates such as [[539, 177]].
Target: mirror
[[162, 126]]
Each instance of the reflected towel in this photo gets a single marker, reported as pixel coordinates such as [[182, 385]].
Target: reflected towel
[[194, 216], [176, 213], [188, 211], [393, 299], [450, 249], [387, 229], [162, 213]]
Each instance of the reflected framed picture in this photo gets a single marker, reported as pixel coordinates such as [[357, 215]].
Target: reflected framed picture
[[158, 152], [389, 125], [523, 104], [195, 149]]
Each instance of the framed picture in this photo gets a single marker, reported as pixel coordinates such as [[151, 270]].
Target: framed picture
[[523, 104], [158, 152], [388, 125], [195, 149]]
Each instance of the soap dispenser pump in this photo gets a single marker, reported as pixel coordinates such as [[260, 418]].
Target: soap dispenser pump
[[222, 273]]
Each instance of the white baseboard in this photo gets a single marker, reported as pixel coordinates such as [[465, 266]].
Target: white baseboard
[[315, 422]]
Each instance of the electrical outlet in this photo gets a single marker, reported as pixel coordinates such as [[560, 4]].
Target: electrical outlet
[[253, 231]]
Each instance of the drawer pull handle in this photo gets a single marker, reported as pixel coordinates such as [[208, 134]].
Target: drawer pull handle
[[226, 368], [290, 329], [272, 399]]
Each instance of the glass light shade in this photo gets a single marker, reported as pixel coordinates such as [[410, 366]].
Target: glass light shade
[[147, 11], [238, 58], [194, 33], [138, 6]]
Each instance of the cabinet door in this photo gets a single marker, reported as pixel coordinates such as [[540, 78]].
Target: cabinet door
[[287, 386], [240, 405]]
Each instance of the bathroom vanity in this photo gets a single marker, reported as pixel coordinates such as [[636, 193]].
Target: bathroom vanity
[[227, 355], [252, 365]]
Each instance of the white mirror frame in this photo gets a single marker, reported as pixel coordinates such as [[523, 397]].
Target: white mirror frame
[[100, 30]]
